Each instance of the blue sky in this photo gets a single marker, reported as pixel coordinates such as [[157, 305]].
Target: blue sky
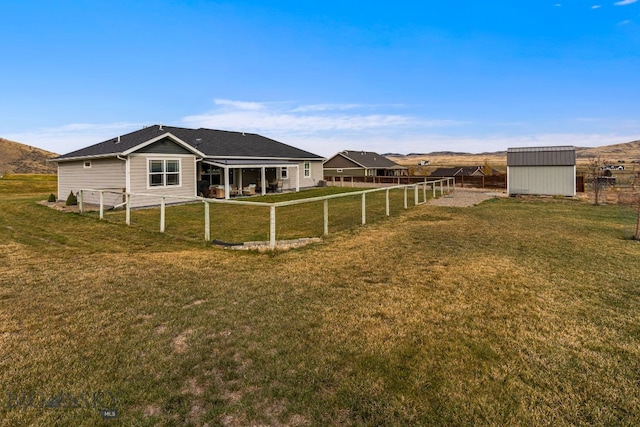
[[382, 76]]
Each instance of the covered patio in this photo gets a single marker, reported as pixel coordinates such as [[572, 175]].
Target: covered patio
[[231, 178]]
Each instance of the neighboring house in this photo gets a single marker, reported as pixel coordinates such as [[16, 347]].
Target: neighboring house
[[462, 171], [362, 163], [170, 161], [541, 170]]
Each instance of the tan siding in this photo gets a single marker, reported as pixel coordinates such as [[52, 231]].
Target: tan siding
[[139, 179], [311, 181], [102, 175]]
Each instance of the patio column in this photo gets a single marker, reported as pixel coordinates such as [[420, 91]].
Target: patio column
[[226, 182], [263, 180], [298, 178]]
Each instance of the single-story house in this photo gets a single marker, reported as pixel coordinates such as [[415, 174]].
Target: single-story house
[[462, 171], [164, 161], [541, 170], [362, 163]]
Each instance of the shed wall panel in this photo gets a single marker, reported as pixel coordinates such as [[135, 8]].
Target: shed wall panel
[[542, 180]]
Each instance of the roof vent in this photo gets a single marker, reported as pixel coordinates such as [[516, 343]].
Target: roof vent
[[362, 154], [243, 133], [118, 140], [160, 128]]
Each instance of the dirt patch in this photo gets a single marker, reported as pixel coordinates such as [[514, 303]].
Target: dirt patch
[[264, 245], [465, 197]]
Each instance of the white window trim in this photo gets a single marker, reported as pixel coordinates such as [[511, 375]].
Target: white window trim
[[307, 169], [164, 173], [86, 164], [284, 172]]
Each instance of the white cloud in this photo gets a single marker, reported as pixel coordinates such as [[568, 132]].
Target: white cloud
[[285, 118], [625, 22], [624, 2], [596, 6], [325, 129], [71, 137], [241, 105]]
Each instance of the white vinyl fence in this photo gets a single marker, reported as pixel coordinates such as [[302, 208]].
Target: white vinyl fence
[[419, 192]]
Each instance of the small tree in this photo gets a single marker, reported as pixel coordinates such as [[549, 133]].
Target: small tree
[[595, 171], [632, 199], [52, 198], [487, 169], [72, 200]]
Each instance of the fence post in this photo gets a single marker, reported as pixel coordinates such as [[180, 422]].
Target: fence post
[[326, 217], [387, 201], [415, 194], [405, 197], [128, 208], [162, 214], [272, 227], [424, 191], [364, 208], [101, 204], [207, 221], [441, 188], [80, 201]]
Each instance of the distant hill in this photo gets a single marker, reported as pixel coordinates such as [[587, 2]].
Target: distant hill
[[623, 151], [21, 158]]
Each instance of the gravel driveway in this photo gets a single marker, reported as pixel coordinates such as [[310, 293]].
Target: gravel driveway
[[465, 197]]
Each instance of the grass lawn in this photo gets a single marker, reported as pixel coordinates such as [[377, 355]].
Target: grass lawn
[[512, 312]]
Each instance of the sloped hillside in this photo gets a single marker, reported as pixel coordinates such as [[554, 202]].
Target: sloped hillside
[[21, 158], [624, 151]]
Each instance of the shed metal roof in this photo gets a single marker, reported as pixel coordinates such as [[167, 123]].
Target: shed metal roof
[[542, 156]]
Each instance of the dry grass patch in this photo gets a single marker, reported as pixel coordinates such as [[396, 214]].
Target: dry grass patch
[[512, 312]]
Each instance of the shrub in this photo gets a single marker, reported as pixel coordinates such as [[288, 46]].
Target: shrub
[[72, 200], [51, 198]]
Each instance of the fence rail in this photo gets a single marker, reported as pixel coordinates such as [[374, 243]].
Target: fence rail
[[420, 190]]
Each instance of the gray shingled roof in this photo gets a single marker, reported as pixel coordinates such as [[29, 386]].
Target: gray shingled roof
[[459, 171], [369, 159], [213, 143]]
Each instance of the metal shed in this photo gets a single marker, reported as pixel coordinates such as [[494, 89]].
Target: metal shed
[[541, 170]]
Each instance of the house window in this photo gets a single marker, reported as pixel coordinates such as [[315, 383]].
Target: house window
[[307, 169], [284, 173], [163, 173], [87, 164]]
